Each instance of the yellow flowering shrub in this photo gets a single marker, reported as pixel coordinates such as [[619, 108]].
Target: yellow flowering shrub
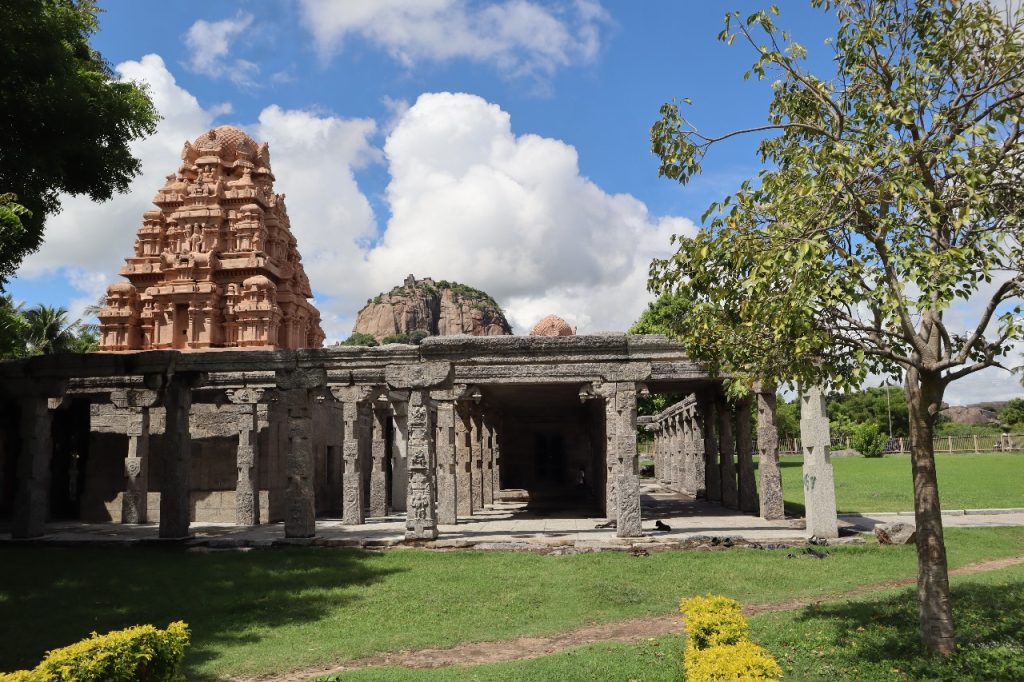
[[713, 621], [718, 645], [134, 654], [741, 662]]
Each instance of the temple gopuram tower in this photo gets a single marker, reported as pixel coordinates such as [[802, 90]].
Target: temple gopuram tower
[[215, 263]]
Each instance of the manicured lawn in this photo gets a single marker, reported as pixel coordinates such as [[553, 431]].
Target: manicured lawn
[[277, 610], [871, 639], [885, 484]]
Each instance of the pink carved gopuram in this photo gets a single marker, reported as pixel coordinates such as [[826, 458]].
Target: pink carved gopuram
[[215, 264]]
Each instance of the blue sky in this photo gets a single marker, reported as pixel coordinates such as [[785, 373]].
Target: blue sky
[[502, 144]]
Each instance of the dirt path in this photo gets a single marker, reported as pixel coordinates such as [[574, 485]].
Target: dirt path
[[634, 630]]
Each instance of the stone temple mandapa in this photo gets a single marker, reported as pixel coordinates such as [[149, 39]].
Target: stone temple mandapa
[[215, 263]]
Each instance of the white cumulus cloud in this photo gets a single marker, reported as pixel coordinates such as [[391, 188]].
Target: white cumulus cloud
[[209, 42], [520, 37]]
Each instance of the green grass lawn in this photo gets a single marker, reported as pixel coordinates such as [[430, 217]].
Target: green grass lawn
[[872, 639], [885, 484], [276, 610]]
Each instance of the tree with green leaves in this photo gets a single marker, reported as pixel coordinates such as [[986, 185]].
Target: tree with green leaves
[[67, 122], [891, 189], [50, 330]]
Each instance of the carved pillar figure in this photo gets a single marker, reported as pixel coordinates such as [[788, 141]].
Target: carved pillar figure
[[447, 491], [176, 479], [378, 451], [698, 453], [713, 477], [819, 483], [365, 411], [745, 454], [399, 449], [297, 389], [420, 520], [247, 456], [654, 429], [727, 455], [477, 469], [463, 459], [32, 501], [768, 455], [135, 500], [487, 448], [687, 486], [352, 478], [679, 452], [668, 446], [620, 420], [496, 436]]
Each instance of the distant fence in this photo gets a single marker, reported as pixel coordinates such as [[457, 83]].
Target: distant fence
[[1005, 442]]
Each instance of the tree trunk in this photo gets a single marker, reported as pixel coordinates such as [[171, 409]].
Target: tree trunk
[[924, 400]]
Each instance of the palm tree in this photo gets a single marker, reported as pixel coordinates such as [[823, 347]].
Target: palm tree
[[12, 329], [49, 330]]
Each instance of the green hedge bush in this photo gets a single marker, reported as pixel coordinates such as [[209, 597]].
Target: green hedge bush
[[137, 654]]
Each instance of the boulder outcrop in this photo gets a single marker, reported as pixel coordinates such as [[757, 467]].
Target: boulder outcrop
[[439, 308]]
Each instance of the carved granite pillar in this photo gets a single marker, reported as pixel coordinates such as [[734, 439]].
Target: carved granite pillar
[[463, 459], [819, 483], [447, 490], [365, 412], [378, 452], [667, 450], [611, 425], [727, 456], [687, 486], [680, 452], [135, 500], [496, 436], [745, 455], [699, 456], [176, 478], [487, 475], [32, 501], [713, 474], [477, 469], [399, 449], [297, 389], [247, 456], [768, 456], [420, 521], [353, 446], [620, 418]]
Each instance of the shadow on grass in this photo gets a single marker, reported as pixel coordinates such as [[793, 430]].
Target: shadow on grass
[[882, 635], [51, 597]]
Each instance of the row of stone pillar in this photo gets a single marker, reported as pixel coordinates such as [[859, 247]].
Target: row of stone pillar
[[704, 447]]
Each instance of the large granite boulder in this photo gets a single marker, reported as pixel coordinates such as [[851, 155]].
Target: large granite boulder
[[438, 308], [970, 415], [895, 533]]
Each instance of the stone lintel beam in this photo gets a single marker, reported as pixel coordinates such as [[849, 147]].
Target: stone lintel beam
[[421, 375]]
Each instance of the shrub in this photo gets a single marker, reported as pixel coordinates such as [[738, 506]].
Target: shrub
[[137, 653], [713, 621], [359, 339], [868, 440], [718, 646], [741, 661]]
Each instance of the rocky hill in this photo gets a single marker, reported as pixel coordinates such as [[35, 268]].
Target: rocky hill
[[437, 308]]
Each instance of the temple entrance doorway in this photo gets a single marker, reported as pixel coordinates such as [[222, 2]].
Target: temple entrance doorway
[[552, 447], [179, 334]]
